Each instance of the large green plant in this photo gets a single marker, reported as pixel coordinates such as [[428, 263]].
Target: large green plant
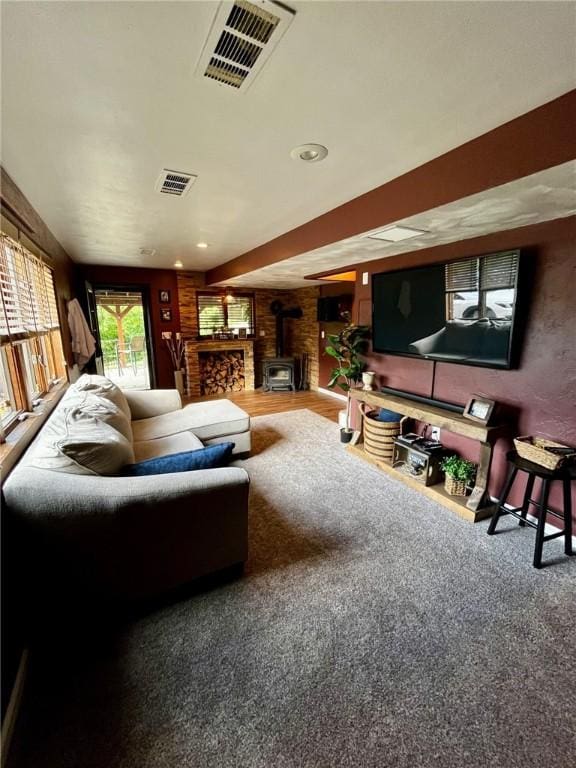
[[346, 348]]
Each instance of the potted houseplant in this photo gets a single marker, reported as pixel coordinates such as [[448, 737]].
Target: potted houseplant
[[458, 473], [346, 347]]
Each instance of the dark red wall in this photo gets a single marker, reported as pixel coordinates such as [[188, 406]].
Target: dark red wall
[[154, 280], [540, 396]]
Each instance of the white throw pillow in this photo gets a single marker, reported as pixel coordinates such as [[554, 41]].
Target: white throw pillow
[[77, 442], [100, 385], [103, 409]]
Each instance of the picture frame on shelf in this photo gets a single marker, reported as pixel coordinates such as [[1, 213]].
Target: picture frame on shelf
[[164, 296], [166, 315], [479, 409], [242, 334]]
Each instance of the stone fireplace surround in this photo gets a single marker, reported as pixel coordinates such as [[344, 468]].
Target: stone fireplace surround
[[193, 347]]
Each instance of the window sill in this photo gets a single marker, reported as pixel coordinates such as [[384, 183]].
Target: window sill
[[20, 437]]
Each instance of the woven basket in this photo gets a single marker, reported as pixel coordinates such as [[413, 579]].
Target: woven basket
[[534, 449], [454, 487], [379, 436]]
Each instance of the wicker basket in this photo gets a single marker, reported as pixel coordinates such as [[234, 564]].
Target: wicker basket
[[379, 436], [454, 487], [534, 449]]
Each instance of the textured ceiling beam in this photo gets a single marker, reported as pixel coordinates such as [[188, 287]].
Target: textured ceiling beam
[[540, 139]]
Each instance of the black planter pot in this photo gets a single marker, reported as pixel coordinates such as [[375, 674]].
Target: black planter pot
[[346, 436]]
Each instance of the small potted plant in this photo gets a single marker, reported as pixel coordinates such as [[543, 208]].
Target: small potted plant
[[459, 472], [346, 348]]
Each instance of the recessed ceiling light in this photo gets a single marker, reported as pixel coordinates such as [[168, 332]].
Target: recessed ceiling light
[[395, 234], [201, 245], [178, 264], [310, 153]]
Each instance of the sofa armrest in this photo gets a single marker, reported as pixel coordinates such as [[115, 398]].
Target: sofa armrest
[[46, 496], [128, 537], [152, 402]]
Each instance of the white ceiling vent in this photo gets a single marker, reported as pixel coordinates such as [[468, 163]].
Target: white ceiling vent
[[175, 183], [241, 40]]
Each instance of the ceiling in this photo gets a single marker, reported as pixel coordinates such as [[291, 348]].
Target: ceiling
[[549, 194], [98, 98]]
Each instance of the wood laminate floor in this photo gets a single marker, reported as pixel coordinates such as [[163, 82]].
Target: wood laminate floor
[[260, 403]]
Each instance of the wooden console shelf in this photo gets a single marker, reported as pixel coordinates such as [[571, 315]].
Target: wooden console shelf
[[476, 507]]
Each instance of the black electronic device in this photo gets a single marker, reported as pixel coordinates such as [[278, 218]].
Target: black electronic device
[[334, 309], [459, 312], [409, 439], [417, 461]]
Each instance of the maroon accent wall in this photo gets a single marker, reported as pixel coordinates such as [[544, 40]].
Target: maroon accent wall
[[540, 139], [154, 280], [540, 396]]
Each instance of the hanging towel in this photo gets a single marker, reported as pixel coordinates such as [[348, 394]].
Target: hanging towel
[[83, 343]]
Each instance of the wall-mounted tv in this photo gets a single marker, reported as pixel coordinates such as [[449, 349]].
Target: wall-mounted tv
[[459, 312]]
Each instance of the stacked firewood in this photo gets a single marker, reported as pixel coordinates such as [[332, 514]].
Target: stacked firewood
[[221, 372]]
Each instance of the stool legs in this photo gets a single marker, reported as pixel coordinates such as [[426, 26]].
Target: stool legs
[[543, 506], [502, 500], [567, 517], [527, 499]]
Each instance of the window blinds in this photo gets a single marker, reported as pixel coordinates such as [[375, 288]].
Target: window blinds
[[498, 271], [210, 313], [28, 302], [462, 276], [486, 274], [240, 312], [217, 311]]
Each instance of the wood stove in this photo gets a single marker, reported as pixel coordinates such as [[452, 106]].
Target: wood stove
[[279, 374]]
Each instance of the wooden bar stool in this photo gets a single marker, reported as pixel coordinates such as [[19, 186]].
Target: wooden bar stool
[[547, 476]]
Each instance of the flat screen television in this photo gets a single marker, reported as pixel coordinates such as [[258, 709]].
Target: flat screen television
[[459, 312]]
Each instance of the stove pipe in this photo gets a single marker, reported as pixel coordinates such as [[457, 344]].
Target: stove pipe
[[294, 312]]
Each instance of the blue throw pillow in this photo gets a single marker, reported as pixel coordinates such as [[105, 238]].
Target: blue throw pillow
[[202, 458], [388, 416]]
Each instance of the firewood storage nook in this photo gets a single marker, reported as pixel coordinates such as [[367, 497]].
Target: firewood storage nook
[[216, 366]]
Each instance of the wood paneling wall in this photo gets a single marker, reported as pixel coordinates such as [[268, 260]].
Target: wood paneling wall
[[300, 335]]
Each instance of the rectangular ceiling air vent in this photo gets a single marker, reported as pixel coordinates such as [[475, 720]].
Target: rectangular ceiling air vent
[[175, 183], [241, 40]]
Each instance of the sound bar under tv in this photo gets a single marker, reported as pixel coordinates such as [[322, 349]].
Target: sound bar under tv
[[422, 399]]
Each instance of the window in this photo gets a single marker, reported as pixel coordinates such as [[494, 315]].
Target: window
[[482, 288], [7, 399], [31, 355], [220, 313]]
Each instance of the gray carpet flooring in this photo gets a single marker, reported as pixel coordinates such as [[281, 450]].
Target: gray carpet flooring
[[372, 628]]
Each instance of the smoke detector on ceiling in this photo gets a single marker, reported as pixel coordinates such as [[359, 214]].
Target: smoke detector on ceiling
[[176, 183], [243, 36]]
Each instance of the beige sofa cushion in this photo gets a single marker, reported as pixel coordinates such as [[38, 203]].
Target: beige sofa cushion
[[76, 441], [164, 446], [214, 418], [100, 385], [101, 408]]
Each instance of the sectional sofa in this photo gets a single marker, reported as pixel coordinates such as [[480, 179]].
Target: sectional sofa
[[84, 523]]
